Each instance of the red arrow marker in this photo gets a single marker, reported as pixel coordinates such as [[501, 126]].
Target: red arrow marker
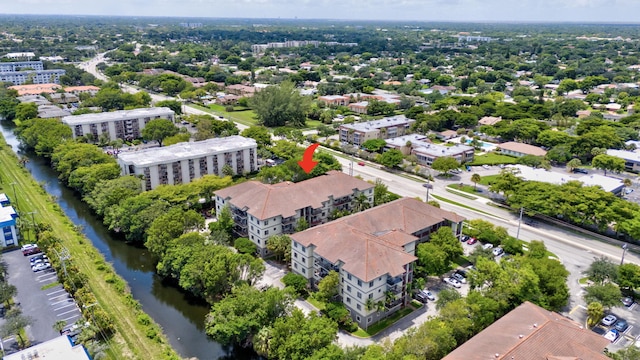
[[307, 164]]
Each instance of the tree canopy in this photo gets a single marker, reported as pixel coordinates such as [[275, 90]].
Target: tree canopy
[[158, 130], [280, 105]]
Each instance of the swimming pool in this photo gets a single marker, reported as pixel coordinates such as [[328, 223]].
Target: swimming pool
[[484, 145]]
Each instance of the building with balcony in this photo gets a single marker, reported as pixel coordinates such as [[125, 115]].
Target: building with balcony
[[385, 128], [20, 72], [373, 251], [262, 210], [8, 218], [183, 162], [427, 152], [123, 124]]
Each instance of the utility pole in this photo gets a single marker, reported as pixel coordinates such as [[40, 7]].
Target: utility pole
[[15, 195], [33, 224], [624, 251], [64, 255], [519, 223]]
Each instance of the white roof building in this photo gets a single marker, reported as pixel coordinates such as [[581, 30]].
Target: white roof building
[[606, 183]]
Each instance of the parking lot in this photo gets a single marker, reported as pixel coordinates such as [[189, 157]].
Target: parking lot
[[629, 337], [44, 306]]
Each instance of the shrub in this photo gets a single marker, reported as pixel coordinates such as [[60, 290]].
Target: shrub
[[244, 246], [144, 319], [339, 313], [295, 281]]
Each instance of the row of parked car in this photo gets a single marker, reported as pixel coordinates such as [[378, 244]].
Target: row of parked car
[[618, 326], [39, 262], [471, 240]]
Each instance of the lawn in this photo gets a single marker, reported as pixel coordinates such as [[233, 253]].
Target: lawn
[[488, 179], [493, 159], [455, 189], [440, 198], [130, 340], [318, 304], [469, 189], [383, 324]]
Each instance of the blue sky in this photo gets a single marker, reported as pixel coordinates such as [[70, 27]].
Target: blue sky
[[425, 10]]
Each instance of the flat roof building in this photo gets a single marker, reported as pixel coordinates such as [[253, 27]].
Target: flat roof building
[[262, 210], [9, 234], [385, 128], [20, 72], [123, 124], [183, 162], [631, 158], [373, 251], [59, 348], [609, 184]]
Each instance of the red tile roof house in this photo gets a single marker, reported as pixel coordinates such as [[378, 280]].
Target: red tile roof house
[[530, 332], [373, 251], [519, 149]]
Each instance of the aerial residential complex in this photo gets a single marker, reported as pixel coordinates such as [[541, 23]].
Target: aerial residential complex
[[183, 162], [373, 251], [426, 152], [123, 124], [260, 48], [262, 210], [384, 128], [8, 218], [21, 72]]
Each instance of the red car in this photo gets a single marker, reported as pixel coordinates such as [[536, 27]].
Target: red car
[[361, 163], [30, 249], [472, 241]]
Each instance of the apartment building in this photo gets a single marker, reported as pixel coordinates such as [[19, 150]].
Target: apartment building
[[19, 65], [183, 162], [262, 210], [385, 128], [123, 124], [373, 251], [8, 226], [631, 158], [428, 153], [335, 100], [32, 76]]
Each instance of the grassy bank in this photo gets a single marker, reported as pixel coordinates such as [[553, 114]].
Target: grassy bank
[[133, 338]]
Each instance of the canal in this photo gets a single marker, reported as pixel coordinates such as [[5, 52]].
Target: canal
[[181, 318]]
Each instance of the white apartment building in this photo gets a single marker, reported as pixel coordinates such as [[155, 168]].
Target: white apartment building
[[373, 251], [123, 124], [262, 210], [183, 162], [32, 76], [385, 128], [8, 226], [19, 65]]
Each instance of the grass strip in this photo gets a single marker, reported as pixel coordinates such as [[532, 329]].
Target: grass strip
[[382, 324], [130, 340], [461, 205], [461, 193]]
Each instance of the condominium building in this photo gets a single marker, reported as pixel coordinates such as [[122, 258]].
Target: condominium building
[[20, 65], [32, 76], [123, 124], [8, 218], [262, 210], [427, 152], [373, 251], [183, 162], [385, 128]]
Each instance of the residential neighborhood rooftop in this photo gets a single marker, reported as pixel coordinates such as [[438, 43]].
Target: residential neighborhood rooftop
[[379, 124], [185, 150], [530, 174], [265, 201], [522, 148], [530, 332]]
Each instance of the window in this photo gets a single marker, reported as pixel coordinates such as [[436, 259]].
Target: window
[[266, 232], [359, 307], [251, 227], [348, 288], [295, 265], [358, 317], [295, 244], [348, 300], [274, 229], [258, 231], [266, 222], [252, 237], [359, 283], [359, 295], [295, 255], [369, 319], [370, 296], [304, 271], [371, 283], [349, 276], [258, 241]]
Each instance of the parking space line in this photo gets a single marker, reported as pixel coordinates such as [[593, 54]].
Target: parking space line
[[62, 307], [59, 296], [71, 317], [47, 279], [61, 301], [54, 292], [70, 311]]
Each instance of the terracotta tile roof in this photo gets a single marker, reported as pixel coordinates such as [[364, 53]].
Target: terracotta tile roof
[[265, 201], [81, 88], [489, 120], [530, 332], [523, 148], [363, 255], [34, 89], [370, 243]]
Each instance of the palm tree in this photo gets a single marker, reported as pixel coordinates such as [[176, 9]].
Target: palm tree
[[595, 312], [476, 178], [361, 203], [627, 182], [59, 325]]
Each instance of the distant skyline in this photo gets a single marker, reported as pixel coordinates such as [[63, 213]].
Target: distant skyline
[[619, 11]]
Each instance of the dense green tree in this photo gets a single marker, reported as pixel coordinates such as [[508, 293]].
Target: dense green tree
[[298, 337], [595, 312], [445, 164], [245, 246], [446, 296], [84, 179], [608, 294], [43, 135], [111, 192], [430, 341], [7, 292], [158, 130], [444, 239], [26, 111], [328, 286], [239, 316], [280, 246], [628, 276], [295, 281], [374, 145], [169, 226], [259, 133], [224, 221], [390, 158], [70, 156], [280, 105], [602, 270], [551, 138], [608, 162], [431, 259], [174, 105], [14, 324]]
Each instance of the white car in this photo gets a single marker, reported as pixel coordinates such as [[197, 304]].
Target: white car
[[485, 166], [498, 251], [487, 246], [609, 320], [40, 267], [453, 282], [612, 335]]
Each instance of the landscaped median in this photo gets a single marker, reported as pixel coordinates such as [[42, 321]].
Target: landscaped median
[[137, 336]]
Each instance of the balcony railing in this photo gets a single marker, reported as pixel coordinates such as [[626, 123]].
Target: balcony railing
[[289, 220], [325, 265]]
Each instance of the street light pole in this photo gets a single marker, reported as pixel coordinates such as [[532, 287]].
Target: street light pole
[[624, 251], [519, 223]]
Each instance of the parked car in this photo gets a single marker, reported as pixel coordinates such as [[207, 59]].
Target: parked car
[[459, 278], [40, 267], [581, 171], [462, 273], [621, 325], [485, 166], [609, 320], [427, 185], [612, 335], [40, 261], [487, 246], [453, 282], [599, 330], [30, 249], [628, 301], [464, 238], [429, 295], [420, 296], [498, 251], [628, 191], [38, 257], [472, 241]]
